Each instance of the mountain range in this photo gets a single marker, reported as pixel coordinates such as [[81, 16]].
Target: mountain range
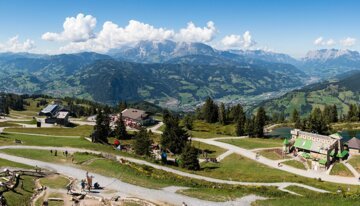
[[170, 74]]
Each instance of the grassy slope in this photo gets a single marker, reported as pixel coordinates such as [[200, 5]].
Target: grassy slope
[[7, 163], [239, 168], [304, 101], [202, 129], [271, 154], [294, 163], [252, 143], [355, 162], [83, 131], [55, 182], [341, 170], [213, 151]]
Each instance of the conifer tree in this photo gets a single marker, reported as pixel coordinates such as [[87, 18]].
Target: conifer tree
[[174, 137], [260, 121], [334, 114], [101, 128], [188, 122], [222, 114], [240, 121], [295, 117], [142, 143], [210, 111], [120, 129], [249, 127], [189, 158]]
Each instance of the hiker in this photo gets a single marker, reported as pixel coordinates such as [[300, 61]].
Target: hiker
[[68, 187], [51, 151], [66, 153], [55, 153], [82, 185], [97, 186]]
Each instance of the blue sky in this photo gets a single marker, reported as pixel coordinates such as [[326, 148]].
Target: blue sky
[[282, 26]]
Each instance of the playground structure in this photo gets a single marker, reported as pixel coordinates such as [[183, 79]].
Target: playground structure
[[10, 180]]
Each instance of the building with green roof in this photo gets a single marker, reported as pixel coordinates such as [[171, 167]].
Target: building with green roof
[[320, 148]]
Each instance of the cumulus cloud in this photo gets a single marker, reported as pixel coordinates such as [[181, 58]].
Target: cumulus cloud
[[192, 33], [320, 41], [79, 31], [15, 45], [348, 42], [237, 42], [113, 36], [76, 29]]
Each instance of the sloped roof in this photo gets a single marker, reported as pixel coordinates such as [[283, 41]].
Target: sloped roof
[[134, 114], [354, 143], [50, 108], [62, 115]]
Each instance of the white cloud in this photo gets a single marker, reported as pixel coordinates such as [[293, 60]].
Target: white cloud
[[14, 45], [237, 42], [113, 36], [192, 33], [348, 42], [320, 41], [79, 31], [76, 29]]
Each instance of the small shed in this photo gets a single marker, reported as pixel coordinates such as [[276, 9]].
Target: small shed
[[354, 145]]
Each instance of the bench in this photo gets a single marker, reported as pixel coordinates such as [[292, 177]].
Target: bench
[[17, 141]]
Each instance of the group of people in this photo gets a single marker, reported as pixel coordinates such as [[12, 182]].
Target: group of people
[[65, 153]]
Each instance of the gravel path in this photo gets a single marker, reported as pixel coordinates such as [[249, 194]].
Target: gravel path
[[280, 185], [155, 128], [124, 189]]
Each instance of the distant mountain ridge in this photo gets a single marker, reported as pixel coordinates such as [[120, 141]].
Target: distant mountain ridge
[[342, 93], [170, 73], [327, 63], [183, 80]]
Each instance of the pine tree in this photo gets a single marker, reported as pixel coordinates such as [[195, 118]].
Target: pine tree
[[122, 106], [282, 117], [188, 122], [120, 129], [189, 158], [142, 143], [249, 127], [317, 123], [210, 111], [222, 114], [240, 120], [327, 114], [334, 114], [353, 114], [295, 116], [260, 121], [240, 127], [174, 136], [275, 117]]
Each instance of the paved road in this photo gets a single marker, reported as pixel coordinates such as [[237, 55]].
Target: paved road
[[352, 169], [155, 128], [280, 185], [128, 190], [273, 163]]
